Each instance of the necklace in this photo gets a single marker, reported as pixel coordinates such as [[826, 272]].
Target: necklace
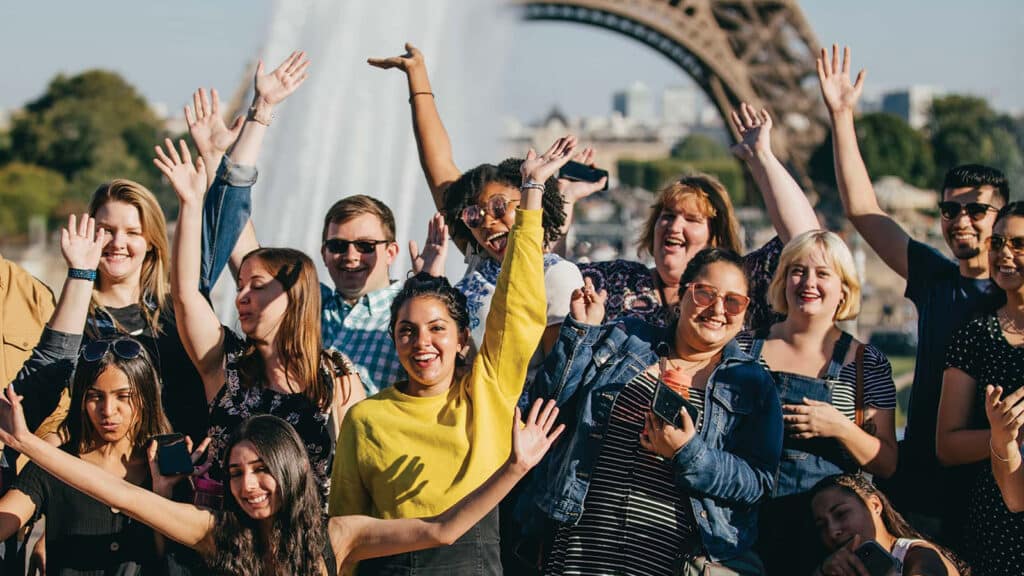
[[1009, 325]]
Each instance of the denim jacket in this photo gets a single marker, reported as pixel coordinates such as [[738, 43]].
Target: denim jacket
[[226, 209], [725, 470]]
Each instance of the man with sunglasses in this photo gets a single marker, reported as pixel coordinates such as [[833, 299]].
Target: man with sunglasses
[[358, 249], [945, 292]]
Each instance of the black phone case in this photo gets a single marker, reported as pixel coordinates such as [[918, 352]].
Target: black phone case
[[173, 458], [577, 171], [876, 559], [667, 403]]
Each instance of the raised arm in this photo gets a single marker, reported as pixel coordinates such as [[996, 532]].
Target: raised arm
[[573, 192], [956, 442], [211, 136], [884, 234], [183, 523], [788, 208], [1005, 418], [435, 248], [199, 328], [360, 537], [432, 142]]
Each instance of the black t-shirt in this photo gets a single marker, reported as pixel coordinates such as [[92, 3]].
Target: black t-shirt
[[182, 393], [84, 537]]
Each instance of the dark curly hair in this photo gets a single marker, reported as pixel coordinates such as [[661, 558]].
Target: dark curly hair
[[464, 192], [297, 538], [861, 488], [424, 284]]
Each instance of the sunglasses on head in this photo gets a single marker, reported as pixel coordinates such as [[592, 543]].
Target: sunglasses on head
[[705, 295], [996, 243], [497, 207], [123, 348], [339, 246], [975, 210]]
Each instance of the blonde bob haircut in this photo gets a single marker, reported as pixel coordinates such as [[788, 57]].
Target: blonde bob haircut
[[709, 197], [836, 253]]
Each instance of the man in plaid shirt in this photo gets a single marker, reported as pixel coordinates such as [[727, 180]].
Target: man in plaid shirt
[[358, 248]]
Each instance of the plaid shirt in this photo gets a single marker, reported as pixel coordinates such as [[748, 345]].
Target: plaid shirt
[[361, 332]]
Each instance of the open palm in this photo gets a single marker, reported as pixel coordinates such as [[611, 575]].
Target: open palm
[[755, 130], [188, 180], [274, 87], [531, 442], [412, 58], [839, 93], [210, 134]]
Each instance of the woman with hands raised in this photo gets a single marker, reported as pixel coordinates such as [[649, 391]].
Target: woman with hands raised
[[271, 523], [631, 491], [277, 365]]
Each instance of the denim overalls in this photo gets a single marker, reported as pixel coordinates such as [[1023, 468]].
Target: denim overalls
[[805, 462]]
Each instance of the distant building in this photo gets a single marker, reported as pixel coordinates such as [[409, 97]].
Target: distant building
[[681, 105], [635, 103], [912, 104]]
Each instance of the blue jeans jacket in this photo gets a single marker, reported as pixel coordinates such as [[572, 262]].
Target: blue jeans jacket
[[226, 209], [725, 470]]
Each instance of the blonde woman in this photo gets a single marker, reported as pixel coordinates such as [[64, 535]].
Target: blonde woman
[[838, 397]]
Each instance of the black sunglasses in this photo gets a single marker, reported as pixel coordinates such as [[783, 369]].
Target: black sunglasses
[[339, 246], [124, 348], [976, 210], [996, 243]]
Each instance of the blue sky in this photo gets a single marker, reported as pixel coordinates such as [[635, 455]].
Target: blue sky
[[166, 49]]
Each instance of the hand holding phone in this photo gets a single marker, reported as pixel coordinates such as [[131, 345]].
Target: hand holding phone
[[577, 171], [876, 559], [172, 454], [668, 403]]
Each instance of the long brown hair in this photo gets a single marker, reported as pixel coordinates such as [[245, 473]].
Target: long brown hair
[[298, 337], [712, 201], [154, 284], [861, 488]]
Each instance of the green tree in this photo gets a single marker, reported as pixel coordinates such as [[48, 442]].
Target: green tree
[[965, 129], [26, 191], [890, 147], [697, 147], [87, 126]]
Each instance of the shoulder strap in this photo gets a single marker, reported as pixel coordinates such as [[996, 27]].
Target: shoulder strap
[[328, 554], [859, 401], [839, 350]]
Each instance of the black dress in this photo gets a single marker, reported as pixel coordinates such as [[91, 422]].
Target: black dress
[[994, 536], [85, 537]]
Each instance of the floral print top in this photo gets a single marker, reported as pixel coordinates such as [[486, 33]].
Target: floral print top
[[633, 293], [236, 402]]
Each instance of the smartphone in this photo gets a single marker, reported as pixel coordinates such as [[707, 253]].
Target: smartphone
[[172, 455], [576, 171], [876, 559], [667, 403]]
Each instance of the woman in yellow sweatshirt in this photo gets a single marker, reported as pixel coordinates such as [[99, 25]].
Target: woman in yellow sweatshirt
[[422, 444]]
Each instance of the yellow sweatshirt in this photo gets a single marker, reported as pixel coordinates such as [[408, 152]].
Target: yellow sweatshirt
[[400, 456]]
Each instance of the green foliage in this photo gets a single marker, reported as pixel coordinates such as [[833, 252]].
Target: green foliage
[[699, 147], [965, 129], [655, 174], [88, 129], [890, 147], [26, 191]]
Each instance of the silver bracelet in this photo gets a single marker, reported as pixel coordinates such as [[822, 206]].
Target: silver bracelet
[[993, 451], [532, 184]]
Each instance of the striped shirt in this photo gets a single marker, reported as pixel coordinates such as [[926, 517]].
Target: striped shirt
[[879, 390], [361, 332], [635, 520]]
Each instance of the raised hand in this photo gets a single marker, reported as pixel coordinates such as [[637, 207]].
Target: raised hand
[[13, 428], [587, 305], [81, 244], [1005, 416], [274, 87], [754, 129], [839, 94], [539, 168], [188, 180], [813, 419], [435, 249], [411, 60], [206, 125], [575, 190], [164, 485], [531, 441]]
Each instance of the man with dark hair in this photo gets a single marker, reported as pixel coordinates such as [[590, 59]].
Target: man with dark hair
[[945, 292], [358, 249]]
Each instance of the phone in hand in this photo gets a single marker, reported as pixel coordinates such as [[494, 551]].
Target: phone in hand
[[667, 403], [581, 172], [876, 559], [172, 455]]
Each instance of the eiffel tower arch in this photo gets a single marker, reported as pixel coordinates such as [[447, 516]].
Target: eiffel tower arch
[[757, 51]]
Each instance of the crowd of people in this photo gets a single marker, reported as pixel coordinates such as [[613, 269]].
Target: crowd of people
[[361, 423]]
